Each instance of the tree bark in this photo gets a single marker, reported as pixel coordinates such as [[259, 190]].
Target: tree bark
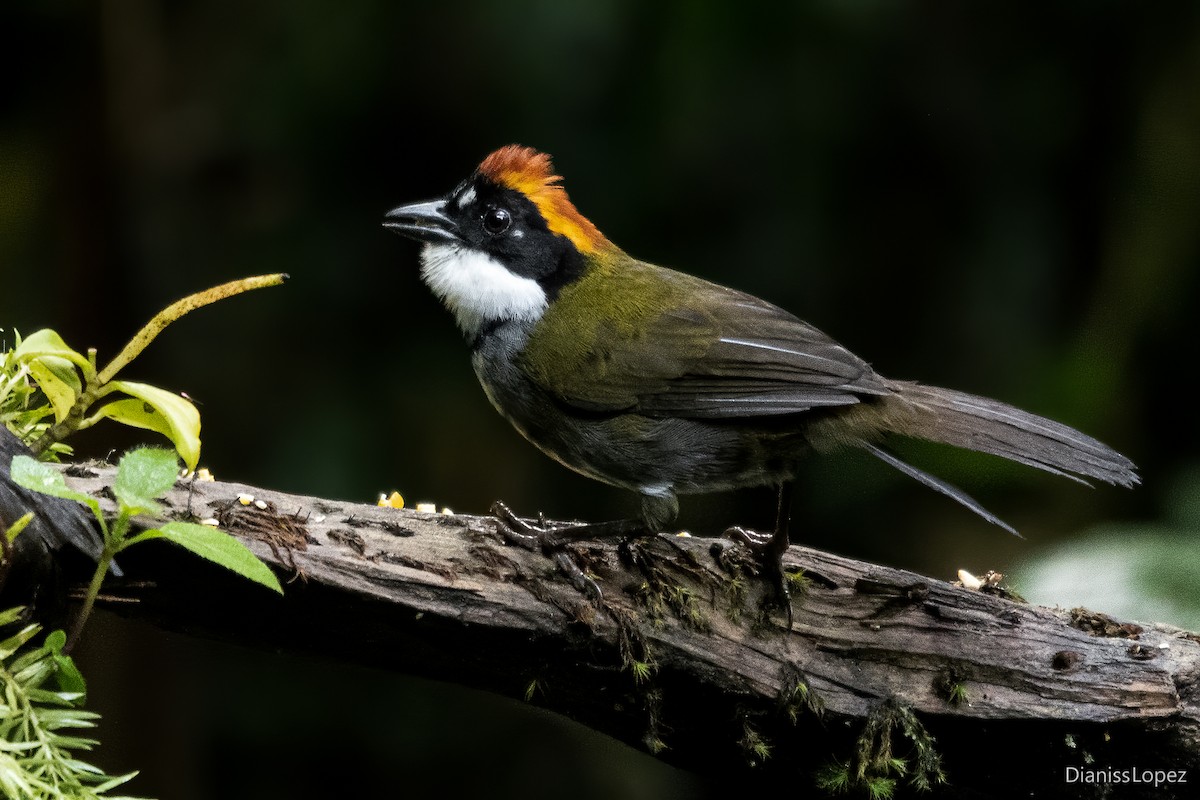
[[684, 656]]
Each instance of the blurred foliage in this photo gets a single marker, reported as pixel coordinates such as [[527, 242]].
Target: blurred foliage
[[997, 199], [1136, 571], [40, 727]]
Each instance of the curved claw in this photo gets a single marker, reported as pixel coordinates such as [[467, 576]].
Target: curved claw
[[515, 530], [542, 537], [578, 578], [768, 548]]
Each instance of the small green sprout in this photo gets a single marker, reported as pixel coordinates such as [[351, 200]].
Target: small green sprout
[[754, 744], [641, 670]]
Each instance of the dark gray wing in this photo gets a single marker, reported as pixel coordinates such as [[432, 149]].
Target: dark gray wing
[[715, 353]]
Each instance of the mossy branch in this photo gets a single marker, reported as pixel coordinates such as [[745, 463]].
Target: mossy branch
[[443, 596]]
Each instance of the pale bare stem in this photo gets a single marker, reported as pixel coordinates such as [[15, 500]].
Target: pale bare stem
[[90, 370], [176, 310], [96, 382]]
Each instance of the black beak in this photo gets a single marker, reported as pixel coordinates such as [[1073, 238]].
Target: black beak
[[425, 222]]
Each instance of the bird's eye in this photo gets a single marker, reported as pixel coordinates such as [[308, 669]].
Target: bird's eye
[[496, 221]]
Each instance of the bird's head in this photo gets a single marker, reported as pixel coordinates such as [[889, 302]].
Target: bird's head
[[503, 242]]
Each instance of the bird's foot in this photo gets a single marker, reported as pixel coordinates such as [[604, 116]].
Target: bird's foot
[[544, 536], [768, 549]]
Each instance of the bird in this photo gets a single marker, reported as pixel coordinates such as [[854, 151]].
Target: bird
[[665, 384]]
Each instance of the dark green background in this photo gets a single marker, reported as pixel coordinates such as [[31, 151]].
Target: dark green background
[[996, 199]]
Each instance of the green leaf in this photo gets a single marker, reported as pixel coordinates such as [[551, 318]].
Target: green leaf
[[59, 381], [75, 743], [158, 410], [27, 658], [38, 477], [56, 641], [114, 782], [47, 697], [67, 717], [36, 672], [143, 475], [14, 642], [10, 615], [46, 342], [221, 548], [70, 679], [32, 474]]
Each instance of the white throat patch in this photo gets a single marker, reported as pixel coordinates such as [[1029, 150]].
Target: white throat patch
[[478, 289]]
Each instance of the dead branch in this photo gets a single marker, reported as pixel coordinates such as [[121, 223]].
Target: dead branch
[[682, 657]]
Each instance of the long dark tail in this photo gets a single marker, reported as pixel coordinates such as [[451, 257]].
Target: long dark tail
[[988, 426]]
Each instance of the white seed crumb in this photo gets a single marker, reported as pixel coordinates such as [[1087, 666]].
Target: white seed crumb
[[968, 580]]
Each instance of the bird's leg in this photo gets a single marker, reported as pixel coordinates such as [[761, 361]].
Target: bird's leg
[[551, 539], [769, 548]]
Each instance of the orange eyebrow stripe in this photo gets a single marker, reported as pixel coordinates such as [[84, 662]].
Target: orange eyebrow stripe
[[529, 172]]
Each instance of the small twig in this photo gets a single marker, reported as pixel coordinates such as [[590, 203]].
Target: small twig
[[89, 599], [176, 310], [96, 382]]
